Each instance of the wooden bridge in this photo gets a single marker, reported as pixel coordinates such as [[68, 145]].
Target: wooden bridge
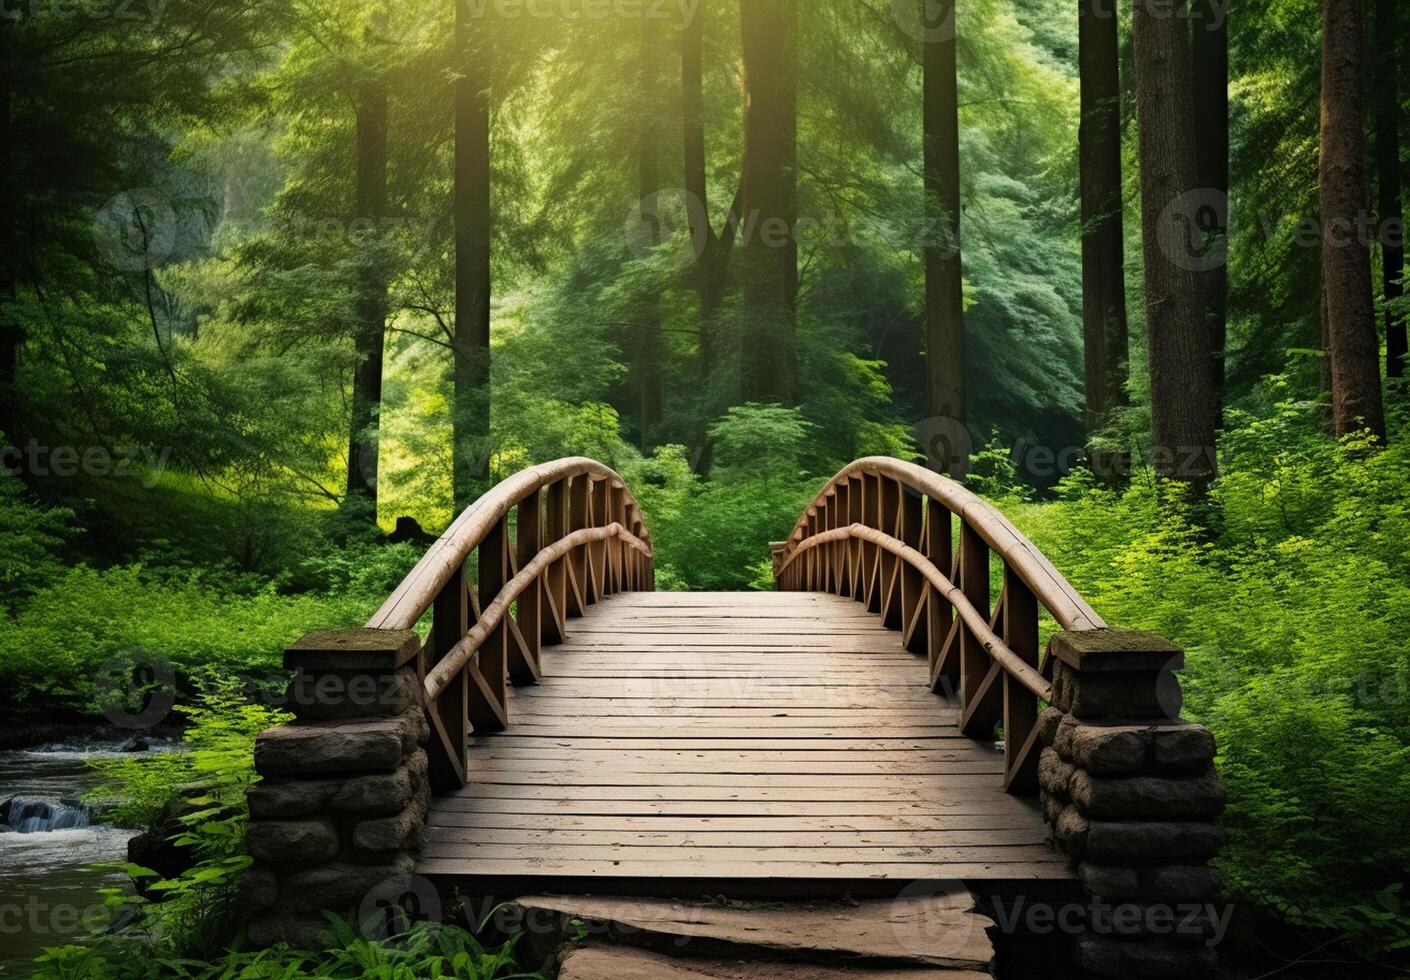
[[873, 723]]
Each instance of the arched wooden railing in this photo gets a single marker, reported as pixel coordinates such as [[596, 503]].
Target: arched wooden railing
[[883, 532], [577, 535]]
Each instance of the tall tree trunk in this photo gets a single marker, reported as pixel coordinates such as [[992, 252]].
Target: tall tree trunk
[[944, 288], [471, 409], [1210, 50], [697, 189], [1181, 383], [10, 334], [1104, 323], [371, 301], [649, 336], [769, 365], [1388, 177], [1346, 258]]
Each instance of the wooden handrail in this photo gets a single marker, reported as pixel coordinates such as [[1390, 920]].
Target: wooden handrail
[[410, 600], [579, 536], [1053, 591], [1030, 677], [459, 655], [882, 531]]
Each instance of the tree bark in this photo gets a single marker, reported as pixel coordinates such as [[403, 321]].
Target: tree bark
[[649, 335], [11, 336], [471, 409], [1210, 50], [1388, 177], [696, 182], [944, 287], [769, 366], [371, 301], [1104, 322], [1346, 259], [1181, 383]]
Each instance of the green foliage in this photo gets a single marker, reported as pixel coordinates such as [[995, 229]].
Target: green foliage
[[425, 951], [88, 624], [202, 791], [1294, 616], [31, 537], [711, 534], [759, 443]]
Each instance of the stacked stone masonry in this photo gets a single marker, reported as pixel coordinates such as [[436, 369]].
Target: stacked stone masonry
[[341, 804], [1133, 800]]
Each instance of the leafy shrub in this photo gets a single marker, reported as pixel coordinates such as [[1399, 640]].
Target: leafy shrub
[[711, 534], [425, 951], [88, 623], [195, 913], [1294, 614], [30, 538]]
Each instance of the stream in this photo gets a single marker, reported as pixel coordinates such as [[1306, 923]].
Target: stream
[[48, 846]]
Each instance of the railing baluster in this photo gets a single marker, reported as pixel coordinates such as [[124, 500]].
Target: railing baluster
[[616, 513], [841, 517], [579, 517], [494, 653], [1020, 704], [890, 586], [855, 503], [942, 640], [597, 573], [915, 631], [450, 719], [528, 534], [870, 554], [556, 578], [981, 696]]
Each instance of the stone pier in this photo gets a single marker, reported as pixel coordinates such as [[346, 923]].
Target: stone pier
[[341, 804], [1130, 791]]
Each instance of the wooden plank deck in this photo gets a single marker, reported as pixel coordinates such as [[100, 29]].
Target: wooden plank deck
[[739, 738]]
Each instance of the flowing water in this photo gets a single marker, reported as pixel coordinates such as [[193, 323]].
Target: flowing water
[[48, 847]]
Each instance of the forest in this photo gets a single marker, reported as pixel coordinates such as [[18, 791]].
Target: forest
[[286, 287]]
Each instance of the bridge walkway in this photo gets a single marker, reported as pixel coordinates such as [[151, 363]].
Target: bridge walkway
[[761, 742]]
